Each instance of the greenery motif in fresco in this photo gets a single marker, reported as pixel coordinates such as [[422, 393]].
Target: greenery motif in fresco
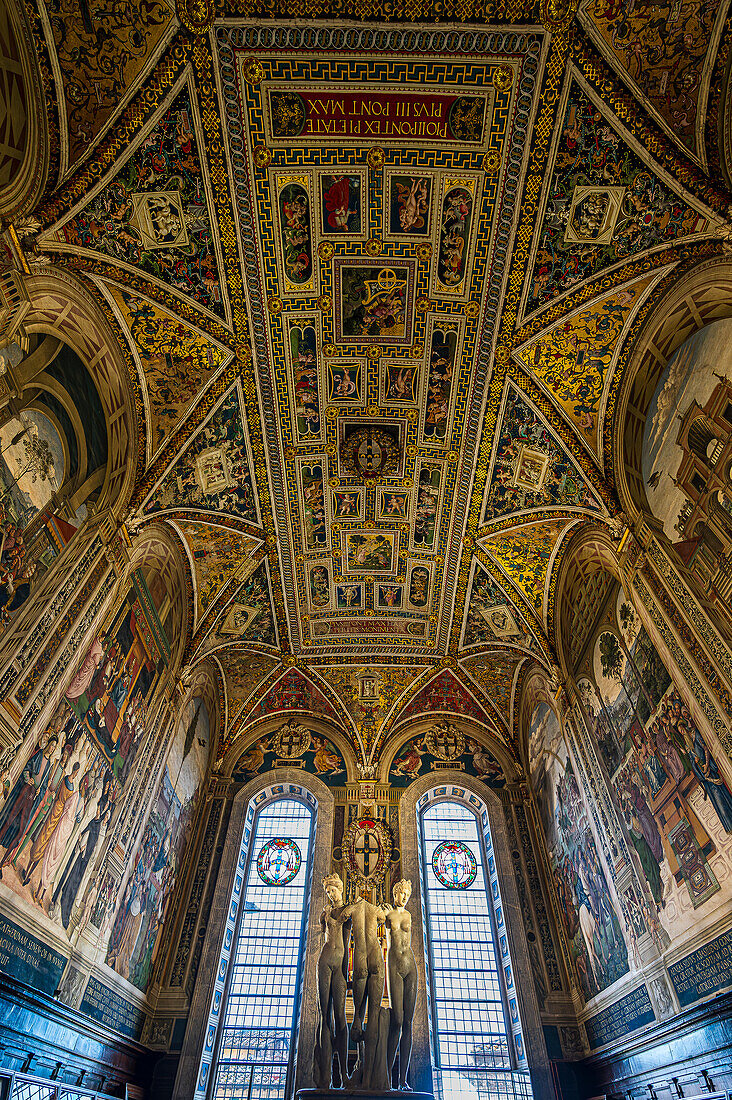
[[495, 675], [490, 617], [177, 361], [414, 759], [218, 554], [153, 214], [662, 48], [590, 154], [532, 469], [525, 557], [590, 918], [572, 359], [99, 66], [213, 471]]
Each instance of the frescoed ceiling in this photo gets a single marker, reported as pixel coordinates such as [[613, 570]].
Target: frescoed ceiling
[[373, 281]]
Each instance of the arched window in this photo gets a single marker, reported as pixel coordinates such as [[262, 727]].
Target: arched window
[[477, 1045], [256, 1040]]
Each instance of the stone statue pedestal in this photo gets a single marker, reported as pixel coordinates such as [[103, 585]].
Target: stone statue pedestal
[[361, 1094]]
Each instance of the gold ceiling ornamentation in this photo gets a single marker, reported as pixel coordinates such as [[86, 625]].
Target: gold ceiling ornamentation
[[310, 253]]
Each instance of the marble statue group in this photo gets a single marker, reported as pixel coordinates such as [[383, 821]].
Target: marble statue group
[[378, 1033]]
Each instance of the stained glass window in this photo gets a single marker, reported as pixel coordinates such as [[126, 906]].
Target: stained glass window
[[473, 1055], [262, 997]]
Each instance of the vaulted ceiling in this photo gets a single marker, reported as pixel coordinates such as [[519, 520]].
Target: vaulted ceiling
[[373, 280]]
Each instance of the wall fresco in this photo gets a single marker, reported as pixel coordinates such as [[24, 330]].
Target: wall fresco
[[59, 806], [666, 785], [588, 909], [696, 379], [138, 926]]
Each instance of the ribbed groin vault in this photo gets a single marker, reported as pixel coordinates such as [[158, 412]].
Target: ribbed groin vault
[[365, 516]]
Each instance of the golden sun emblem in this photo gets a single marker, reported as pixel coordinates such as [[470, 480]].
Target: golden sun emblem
[[503, 78], [253, 70], [375, 157], [492, 163], [262, 156]]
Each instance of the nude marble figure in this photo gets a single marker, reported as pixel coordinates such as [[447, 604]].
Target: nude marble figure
[[401, 980], [368, 989], [332, 1034]]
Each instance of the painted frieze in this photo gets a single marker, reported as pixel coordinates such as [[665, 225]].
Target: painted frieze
[[212, 474], [603, 203], [530, 466], [177, 361], [153, 214]]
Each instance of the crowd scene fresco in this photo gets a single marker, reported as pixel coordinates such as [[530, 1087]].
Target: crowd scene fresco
[[664, 780], [138, 925], [56, 816], [590, 918]]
